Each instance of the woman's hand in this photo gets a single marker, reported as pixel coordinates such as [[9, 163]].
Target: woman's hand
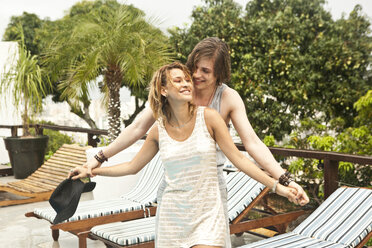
[[287, 192], [78, 172], [90, 165], [301, 196]]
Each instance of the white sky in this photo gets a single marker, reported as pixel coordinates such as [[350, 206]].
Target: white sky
[[171, 12]]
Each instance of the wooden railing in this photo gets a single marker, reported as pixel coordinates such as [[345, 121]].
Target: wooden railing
[[92, 133], [331, 159]]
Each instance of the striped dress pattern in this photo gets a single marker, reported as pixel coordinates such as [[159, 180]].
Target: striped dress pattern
[[191, 209]]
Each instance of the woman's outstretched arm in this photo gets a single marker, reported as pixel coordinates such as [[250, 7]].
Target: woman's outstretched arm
[[127, 137], [143, 157]]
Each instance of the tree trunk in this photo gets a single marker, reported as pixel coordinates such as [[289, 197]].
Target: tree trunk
[[26, 124], [138, 109], [83, 114], [113, 79]]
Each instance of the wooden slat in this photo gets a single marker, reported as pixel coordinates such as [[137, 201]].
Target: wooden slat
[[78, 154], [67, 160], [46, 179], [76, 147], [51, 172], [71, 153], [54, 167], [23, 186], [47, 183], [62, 164], [60, 157], [42, 186], [40, 172], [27, 185]]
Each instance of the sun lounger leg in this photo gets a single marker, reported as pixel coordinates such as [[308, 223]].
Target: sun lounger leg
[[55, 234], [83, 239]]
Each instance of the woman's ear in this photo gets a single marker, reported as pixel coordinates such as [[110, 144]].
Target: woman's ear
[[164, 92]]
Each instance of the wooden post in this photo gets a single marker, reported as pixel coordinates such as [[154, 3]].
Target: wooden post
[[91, 140], [330, 177], [14, 131]]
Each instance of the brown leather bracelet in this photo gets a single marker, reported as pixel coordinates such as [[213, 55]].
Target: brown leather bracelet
[[100, 160]]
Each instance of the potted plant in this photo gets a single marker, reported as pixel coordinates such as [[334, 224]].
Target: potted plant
[[23, 83]]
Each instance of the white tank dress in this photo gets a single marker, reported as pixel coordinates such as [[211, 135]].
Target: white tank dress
[[190, 207]]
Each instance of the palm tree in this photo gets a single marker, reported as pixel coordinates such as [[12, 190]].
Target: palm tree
[[23, 82], [118, 44]]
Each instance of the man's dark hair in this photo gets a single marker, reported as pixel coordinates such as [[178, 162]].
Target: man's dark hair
[[216, 49]]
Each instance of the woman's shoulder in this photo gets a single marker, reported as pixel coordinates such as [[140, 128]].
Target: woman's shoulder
[[210, 113]]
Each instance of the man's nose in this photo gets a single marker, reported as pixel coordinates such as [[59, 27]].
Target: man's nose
[[196, 73]]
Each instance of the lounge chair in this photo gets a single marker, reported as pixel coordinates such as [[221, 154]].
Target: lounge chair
[[41, 183], [343, 220], [137, 203], [243, 193]]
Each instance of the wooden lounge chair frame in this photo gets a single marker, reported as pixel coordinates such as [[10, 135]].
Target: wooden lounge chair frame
[[41, 183]]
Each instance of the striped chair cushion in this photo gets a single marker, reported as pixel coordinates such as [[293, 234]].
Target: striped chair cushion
[[143, 194], [345, 217], [242, 190], [343, 220], [145, 191], [292, 240], [129, 232], [92, 209]]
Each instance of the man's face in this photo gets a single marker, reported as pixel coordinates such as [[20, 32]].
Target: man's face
[[203, 75]]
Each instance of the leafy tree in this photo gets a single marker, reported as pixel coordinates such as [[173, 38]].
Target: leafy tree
[[30, 24], [353, 140], [290, 60], [117, 43]]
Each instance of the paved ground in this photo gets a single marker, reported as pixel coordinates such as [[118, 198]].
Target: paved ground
[[18, 231]]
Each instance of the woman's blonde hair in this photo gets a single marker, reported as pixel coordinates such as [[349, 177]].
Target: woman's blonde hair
[[158, 103]]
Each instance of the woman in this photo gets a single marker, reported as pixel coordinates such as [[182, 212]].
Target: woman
[[191, 209]]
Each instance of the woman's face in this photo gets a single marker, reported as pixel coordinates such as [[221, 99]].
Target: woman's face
[[203, 74], [180, 88]]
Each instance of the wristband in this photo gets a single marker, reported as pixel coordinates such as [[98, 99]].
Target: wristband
[[100, 153], [274, 186], [100, 160]]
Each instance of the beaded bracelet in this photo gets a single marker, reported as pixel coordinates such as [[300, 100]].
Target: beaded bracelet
[[285, 179]]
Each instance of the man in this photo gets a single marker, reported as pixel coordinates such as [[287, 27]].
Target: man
[[209, 64]]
